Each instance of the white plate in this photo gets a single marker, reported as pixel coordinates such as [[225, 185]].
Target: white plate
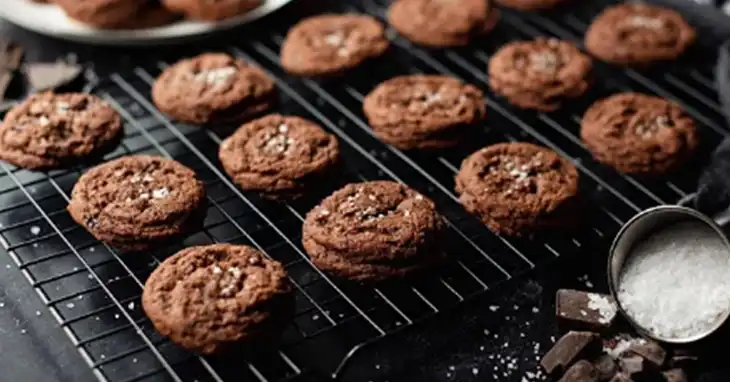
[[50, 20]]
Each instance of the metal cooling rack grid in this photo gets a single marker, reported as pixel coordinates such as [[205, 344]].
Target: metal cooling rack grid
[[94, 292]]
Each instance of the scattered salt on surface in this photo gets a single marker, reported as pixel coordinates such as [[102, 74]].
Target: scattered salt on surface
[[493, 308], [605, 307], [676, 283], [35, 230], [131, 305], [70, 305]]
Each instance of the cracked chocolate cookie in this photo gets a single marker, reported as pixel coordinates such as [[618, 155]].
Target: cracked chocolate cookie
[[639, 134], [638, 34], [107, 14], [518, 188], [135, 202], [438, 23], [331, 44], [373, 231], [423, 111], [211, 10], [279, 156], [213, 88], [541, 74], [530, 5], [209, 298], [49, 130]]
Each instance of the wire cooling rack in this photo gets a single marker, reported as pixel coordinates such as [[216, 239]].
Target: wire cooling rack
[[93, 291]]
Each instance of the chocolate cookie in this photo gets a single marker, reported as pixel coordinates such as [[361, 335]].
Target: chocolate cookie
[[541, 74], [211, 10], [373, 231], [135, 202], [423, 111], [150, 16], [49, 130], [108, 14], [279, 156], [438, 23], [637, 34], [639, 134], [331, 44], [211, 297], [211, 88], [518, 188], [530, 5]]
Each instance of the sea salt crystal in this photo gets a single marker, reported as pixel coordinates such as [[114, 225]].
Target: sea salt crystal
[[160, 193], [35, 230], [605, 307], [676, 283]]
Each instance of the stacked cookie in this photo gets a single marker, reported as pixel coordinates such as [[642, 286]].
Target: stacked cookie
[[137, 14]]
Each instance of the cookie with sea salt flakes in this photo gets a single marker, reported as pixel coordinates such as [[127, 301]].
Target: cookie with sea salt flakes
[[49, 130], [639, 134], [519, 188], [373, 231], [331, 44], [638, 34], [439, 23], [541, 74], [213, 88], [279, 156], [423, 111], [107, 14], [136, 202], [210, 298]]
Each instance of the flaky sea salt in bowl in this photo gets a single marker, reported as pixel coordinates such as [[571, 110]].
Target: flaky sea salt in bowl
[[669, 271]]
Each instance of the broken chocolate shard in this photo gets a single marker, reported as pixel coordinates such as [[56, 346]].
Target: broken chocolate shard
[[583, 310], [675, 375], [50, 76], [621, 377], [631, 364], [581, 371], [6, 78], [11, 55], [606, 367], [570, 348], [651, 351]]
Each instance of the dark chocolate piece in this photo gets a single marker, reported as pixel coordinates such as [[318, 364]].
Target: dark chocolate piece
[[651, 351], [631, 364], [675, 375], [621, 377], [49, 76], [606, 367], [682, 358], [569, 348], [582, 310], [10, 55], [582, 371]]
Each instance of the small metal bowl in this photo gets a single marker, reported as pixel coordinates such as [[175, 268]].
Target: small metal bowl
[[635, 230]]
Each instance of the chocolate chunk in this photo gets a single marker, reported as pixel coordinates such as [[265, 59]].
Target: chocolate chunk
[[10, 55], [569, 348], [48, 76], [631, 364], [6, 77], [606, 367], [621, 377], [682, 358], [675, 375], [650, 351], [582, 371], [582, 310]]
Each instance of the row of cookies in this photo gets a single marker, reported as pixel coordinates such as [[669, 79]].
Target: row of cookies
[[137, 14]]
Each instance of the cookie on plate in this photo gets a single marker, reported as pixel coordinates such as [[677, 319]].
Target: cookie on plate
[[49, 130], [213, 88], [149, 16], [518, 188], [135, 202], [279, 156], [107, 14], [540, 74], [423, 111], [373, 231], [638, 34], [211, 10], [210, 298], [331, 44], [438, 23], [530, 5], [639, 134]]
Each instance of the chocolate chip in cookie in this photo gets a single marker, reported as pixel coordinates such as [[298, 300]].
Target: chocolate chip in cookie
[[373, 231], [541, 74], [213, 88], [639, 134], [518, 188], [279, 156], [211, 10], [423, 111], [49, 130], [439, 23], [331, 44], [210, 298], [638, 34], [136, 202]]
